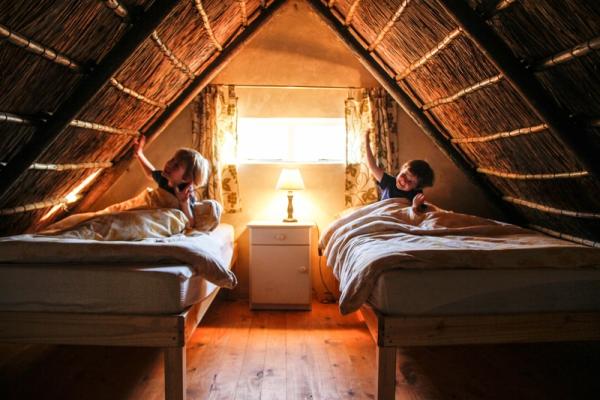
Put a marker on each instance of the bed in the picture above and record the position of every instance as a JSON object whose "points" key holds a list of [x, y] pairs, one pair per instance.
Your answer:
{"points": [[151, 292], [441, 278]]}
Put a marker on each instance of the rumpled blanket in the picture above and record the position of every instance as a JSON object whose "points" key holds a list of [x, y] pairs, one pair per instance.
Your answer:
{"points": [[389, 234], [207, 215], [129, 232]]}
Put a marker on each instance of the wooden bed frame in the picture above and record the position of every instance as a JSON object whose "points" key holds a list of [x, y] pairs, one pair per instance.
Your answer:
{"points": [[393, 331], [170, 332]]}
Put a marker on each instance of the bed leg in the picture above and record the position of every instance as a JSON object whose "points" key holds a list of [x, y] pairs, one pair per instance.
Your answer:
{"points": [[175, 382], [386, 373]]}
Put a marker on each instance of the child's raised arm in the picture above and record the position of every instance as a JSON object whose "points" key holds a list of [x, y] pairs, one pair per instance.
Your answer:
{"points": [[138, 148], [376, 171]]}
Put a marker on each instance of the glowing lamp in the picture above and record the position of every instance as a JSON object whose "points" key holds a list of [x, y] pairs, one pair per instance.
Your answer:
{"points": [[290, 180]]}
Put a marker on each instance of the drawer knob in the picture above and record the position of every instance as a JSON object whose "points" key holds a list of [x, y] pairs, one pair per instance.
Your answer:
{"points": [[280, 236], [302, 269]]}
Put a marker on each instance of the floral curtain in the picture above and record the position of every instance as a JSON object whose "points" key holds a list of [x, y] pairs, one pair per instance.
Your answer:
{"points": [[368, 109], [214, 134]]}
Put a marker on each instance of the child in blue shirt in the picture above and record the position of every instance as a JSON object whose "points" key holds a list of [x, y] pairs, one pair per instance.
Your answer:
{"points": [[409, 183], [185, 169]]}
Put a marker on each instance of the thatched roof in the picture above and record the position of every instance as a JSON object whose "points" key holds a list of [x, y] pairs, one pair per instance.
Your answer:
{"points": [[509, 90]]}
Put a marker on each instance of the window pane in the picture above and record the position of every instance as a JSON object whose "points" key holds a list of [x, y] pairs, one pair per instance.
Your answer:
{"points": [[291, 139]]}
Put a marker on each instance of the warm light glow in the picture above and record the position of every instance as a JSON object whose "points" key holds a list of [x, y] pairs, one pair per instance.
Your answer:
{"points": [[290, 179], [71, 197], [291, 139]]}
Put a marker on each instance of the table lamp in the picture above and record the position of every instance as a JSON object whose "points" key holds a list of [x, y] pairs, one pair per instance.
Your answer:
{"points": [[290, 180]]}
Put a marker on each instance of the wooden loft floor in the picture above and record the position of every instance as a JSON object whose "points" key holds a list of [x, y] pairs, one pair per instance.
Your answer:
{"points": [[239, 354]]}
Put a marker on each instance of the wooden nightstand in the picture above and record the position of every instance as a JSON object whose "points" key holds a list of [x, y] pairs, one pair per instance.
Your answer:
{"points": [[280, 254]]}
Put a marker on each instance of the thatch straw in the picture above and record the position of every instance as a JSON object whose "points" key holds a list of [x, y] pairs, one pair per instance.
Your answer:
{"points": [[564, 56], [351, 12], [463, 92], [104, 128], [495, 108], [13, 137], [565, 236], [552, 210], [38, 49], [449, 72], [389, 25], [190, 39], [511, 175], [330, 3], [84, 30], [180, 65], [117, 8], [135, 94], [207, 26], [580, 194], [39, 205], [500, 135], [430, 54], [17, 119], [535, 29], [64, 167], [527, 153]]}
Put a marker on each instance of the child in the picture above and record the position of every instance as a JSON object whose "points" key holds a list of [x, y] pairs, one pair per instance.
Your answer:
{"points": [[184, 170], [409, 183]]}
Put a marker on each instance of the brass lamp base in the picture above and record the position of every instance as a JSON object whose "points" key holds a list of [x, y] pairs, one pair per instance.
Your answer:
{"points": [[290, 209]]}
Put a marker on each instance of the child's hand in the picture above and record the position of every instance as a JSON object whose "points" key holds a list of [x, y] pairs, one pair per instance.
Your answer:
{"points": [[138, 145], [418, 201], [183, 195]]}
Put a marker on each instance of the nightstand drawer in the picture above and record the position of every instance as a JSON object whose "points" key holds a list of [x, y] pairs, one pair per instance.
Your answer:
{"points": [[280, 236]]}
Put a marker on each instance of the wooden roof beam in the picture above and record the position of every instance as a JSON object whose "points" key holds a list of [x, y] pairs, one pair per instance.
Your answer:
{"points": [[38, 49], [140, 30], [118, 8], [207, 26], [525, 83], [27, 120], [580, 50], [417, 115]]}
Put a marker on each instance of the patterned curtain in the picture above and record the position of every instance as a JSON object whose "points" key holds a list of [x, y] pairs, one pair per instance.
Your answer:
{"points": [[385, 130], [368, 109], [214, 134]]}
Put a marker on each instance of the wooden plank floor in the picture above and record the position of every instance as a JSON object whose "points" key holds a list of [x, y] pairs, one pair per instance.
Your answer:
{"points": [[242, 354]]}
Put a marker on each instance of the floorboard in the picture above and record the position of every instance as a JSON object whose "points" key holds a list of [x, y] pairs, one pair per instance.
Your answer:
{"points": [[296, 355]]}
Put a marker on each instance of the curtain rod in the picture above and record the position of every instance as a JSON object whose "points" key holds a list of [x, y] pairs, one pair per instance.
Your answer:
{"points": [[293, 87]]}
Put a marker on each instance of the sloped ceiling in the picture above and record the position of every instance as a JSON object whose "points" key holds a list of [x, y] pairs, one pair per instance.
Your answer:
{"points": [[509, 90]]}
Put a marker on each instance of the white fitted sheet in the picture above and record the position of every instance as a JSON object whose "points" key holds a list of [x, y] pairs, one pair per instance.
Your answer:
{"points": [[471, 291], [108, 288]]}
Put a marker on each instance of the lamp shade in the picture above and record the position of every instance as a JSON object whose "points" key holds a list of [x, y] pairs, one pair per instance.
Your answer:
{"points": [[290, 179]]}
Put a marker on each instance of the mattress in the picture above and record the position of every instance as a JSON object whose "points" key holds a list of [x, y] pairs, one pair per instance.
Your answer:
{"points": [[108, 288], [470, 291]]}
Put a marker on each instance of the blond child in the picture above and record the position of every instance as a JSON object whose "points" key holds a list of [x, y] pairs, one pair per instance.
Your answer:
{"points": [[185, 170]]}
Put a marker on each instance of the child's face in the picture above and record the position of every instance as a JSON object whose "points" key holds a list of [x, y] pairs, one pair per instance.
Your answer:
{"points": [[405, 180], [174, 171]]}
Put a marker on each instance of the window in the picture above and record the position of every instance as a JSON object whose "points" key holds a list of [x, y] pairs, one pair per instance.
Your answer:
{"points": [[297, 140]]}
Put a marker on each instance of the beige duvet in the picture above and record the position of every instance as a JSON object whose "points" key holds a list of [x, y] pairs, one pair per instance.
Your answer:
{"points": [[389, 234], [134, 231]]}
